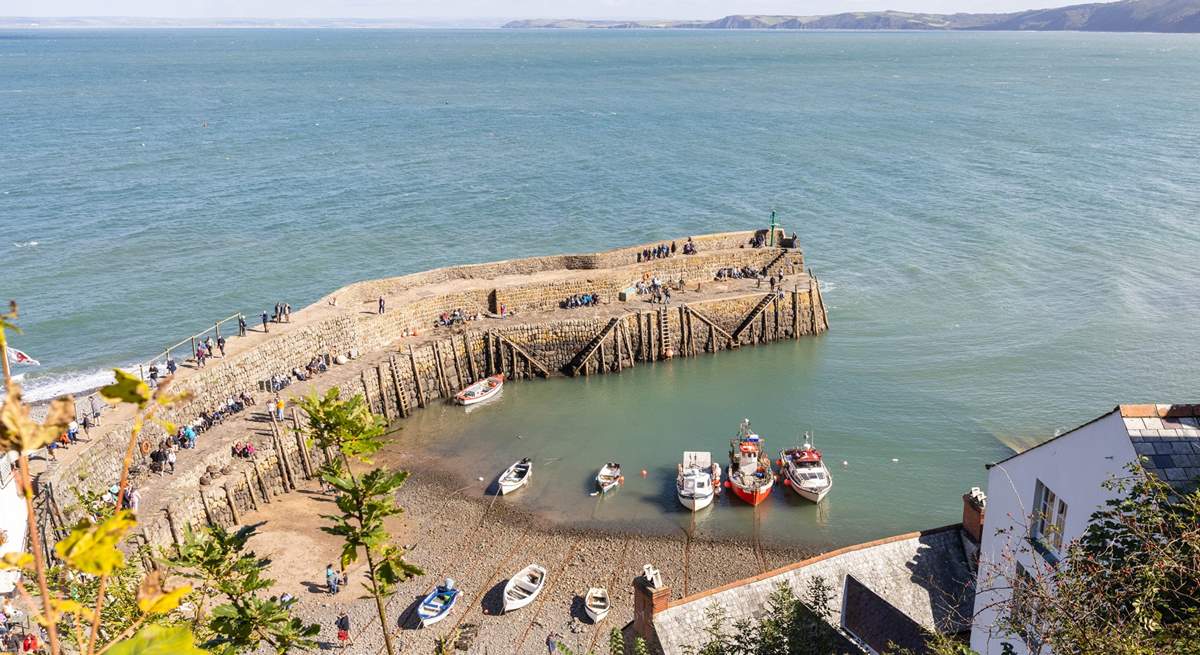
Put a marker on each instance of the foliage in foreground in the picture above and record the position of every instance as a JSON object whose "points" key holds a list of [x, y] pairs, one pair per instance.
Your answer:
{"points": [[790, 626], [217, 561], [365, 500]]}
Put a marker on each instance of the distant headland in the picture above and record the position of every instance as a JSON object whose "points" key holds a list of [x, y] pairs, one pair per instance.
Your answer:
{"points": [[1178, 16]]}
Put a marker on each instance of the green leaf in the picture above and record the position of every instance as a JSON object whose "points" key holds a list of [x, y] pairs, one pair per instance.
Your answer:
{"points": [[157, 640], [127, 389], [92, 547], [153, 599]]}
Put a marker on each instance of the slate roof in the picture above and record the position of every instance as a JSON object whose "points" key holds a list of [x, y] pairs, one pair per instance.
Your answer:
{"points": [[1167, 437], [878, 623], [924, 575]]}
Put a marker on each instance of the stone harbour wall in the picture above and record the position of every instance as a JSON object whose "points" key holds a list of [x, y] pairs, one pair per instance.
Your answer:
{"points": [[406, 364]]}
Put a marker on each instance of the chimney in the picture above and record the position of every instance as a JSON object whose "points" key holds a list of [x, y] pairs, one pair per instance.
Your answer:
{"points": [[650, 596], [974, 505]]}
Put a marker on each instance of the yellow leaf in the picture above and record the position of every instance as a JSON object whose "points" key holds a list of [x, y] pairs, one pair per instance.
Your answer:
{"points": [[18, 430], [158, 640], [17, 561], [153, 599], [67, 606], [92, 548], [127, 389]]}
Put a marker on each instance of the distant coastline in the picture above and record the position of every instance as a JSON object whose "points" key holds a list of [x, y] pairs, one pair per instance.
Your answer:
{"points": [[1167, 16]]}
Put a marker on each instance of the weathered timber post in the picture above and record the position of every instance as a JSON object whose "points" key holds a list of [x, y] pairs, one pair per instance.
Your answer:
{"points": [[412, 359], [383, 403], [208, 515], [795, 313], [362, 376], [262, 485], [470, 359], [600, 365], [653, 351], [250, 490], [233, 511], [711, 346], [775, 307], [172, 528], [302, 443], [617, 347], [641, 339], [628, 346], [457, 368], [281, 459]]}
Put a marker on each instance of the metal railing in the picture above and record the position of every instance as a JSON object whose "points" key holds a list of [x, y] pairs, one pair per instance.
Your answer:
{"points": [[193, 341]]}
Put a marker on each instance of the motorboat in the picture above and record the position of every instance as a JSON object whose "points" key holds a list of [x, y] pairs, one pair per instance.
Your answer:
{"points": [[750, 474], [438, 604], [609, 477], [805, 472], [697, 480]]}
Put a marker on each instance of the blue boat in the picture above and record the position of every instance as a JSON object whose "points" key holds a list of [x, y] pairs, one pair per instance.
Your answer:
{"points": [[438, 604]]}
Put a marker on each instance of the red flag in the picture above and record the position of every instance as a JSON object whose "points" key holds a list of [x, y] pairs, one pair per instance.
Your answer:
{"points": [[18, 357]]}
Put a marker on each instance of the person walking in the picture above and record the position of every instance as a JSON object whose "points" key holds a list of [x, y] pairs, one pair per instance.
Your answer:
{"points": [[210, 345], [279, 404], [171, 366], [331, 579], [264, 321], [241, 325], [221, 346], [381, 305], [343, 629], [287, 311]]}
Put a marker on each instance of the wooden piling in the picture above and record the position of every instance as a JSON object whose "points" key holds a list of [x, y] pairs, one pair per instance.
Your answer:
{"points": [[383, 397], [641, 339], [470, 359], [795, 313], [628, 347], [208, 515], [457, 368], [250, 490], [172, 527], [262, 485], [362, 376], [412, 359], [401, 392], [233, 511]]}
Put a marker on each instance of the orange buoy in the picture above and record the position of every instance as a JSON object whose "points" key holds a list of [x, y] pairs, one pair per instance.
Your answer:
{"points": [[787, 482], [779, 463], [621, 480], [644, 473], [727, 484]]}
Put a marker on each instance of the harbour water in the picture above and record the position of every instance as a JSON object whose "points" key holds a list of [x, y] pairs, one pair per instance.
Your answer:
{"points": [[1005, 224]]}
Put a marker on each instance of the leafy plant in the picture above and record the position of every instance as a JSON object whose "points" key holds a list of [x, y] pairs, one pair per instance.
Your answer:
{"points": [[365, 500], [90, 553], [616, 645], [217, 561], [790, 625]]}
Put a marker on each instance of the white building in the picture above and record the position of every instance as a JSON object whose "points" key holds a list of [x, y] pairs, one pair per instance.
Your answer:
{"points": [[1042, 499], [12, 520]]}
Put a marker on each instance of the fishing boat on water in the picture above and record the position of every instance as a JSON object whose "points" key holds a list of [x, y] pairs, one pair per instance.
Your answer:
{"points": [[480, 391], [596, 604], [515, 476], [609, 477], [750, 474], [698, 480], [524, 587], [438, 604], [805, 472]]}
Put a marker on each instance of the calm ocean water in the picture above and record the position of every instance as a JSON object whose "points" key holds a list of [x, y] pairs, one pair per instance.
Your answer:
{"points": [[1007, 225]]}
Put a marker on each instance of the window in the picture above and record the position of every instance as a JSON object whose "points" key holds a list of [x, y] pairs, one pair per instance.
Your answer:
{"points": [[1023, 611], [1049, 519]]}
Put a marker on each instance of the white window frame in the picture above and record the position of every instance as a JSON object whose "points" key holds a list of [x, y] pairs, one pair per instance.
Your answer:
{"points": [[1049, 518]]}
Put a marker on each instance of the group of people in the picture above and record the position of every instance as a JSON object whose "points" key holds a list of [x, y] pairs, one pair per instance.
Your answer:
{"points": [[745, 272], [317, 365], [661, 251], [243, 450], [455, 317], [283, 313], [656, 289], [15, 634], [581, 300], [68, 437]]}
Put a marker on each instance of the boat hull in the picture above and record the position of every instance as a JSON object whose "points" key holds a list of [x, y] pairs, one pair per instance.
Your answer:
{"points": [[810, 494], [428, 617], [465, 400], [694, 503], [752, 496]]}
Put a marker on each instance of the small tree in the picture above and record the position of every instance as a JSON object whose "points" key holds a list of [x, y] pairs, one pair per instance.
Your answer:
{"points": [[616, 645], [217, 561], [366, 500]]}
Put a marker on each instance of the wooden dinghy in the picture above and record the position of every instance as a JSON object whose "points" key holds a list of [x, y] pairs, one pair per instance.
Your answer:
{"points": [[596, 604], [609, 477], [438, 604], [482, 390], [524, 587], [515, 476]]}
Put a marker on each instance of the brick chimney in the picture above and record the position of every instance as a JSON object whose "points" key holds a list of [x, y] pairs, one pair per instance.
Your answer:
{"points": [[974, 506], [650, 596]]}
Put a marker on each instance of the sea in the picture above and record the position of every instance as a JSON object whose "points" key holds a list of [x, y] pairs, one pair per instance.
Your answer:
{"points": [[1006, 227]]}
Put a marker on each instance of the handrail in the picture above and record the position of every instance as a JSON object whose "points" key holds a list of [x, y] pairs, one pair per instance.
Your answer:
{"points": [[192, 340]]}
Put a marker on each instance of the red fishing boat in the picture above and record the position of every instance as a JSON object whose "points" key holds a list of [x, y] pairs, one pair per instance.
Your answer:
{"points": [[750, 474]]}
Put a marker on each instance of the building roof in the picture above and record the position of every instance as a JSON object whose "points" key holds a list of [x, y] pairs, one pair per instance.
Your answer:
{"points": [[924, 575], [878, 623], [1167, 438]]}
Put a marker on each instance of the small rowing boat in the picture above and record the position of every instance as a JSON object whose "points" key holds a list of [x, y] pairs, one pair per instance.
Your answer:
{"points": [[524, 587], [609, 477], [805, 472], [480, 391], [698, 480], [515, 476], [438, 604], [596, 604]]}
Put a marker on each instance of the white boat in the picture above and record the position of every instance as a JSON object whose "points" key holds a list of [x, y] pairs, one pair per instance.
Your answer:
{"points": [[698, 480], [515, 476], [438, 604], [609, 477], [805, 472], [596, 604], [480, 391], [524, 587]]}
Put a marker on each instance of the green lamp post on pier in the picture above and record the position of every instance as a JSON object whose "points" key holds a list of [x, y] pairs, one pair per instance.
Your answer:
{"points": [[773, 226]]}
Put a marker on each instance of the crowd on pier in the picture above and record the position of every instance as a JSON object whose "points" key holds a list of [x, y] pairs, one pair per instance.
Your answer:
{"points": [[664, 250], [580, 300]]}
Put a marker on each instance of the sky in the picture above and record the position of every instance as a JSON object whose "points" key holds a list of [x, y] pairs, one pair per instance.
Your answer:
{"points": [[481, 9]]}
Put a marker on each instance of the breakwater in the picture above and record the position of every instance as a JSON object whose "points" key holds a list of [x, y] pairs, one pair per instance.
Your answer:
{"points": [[403, 362]]}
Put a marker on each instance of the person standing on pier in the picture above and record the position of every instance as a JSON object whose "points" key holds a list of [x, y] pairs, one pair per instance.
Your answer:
{"points": [[221, 346], [331, 579], [264, 321], [171, 366], [381, 305], [241, 325]]}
